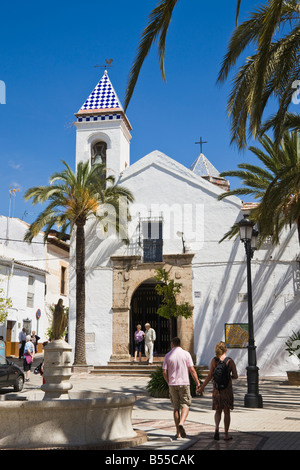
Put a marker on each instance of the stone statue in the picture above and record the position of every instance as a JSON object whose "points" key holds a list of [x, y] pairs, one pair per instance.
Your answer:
{"points": [[60, 320]]}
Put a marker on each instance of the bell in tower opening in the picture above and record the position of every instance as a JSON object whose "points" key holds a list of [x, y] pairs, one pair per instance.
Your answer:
{"points": [[98, 156]]}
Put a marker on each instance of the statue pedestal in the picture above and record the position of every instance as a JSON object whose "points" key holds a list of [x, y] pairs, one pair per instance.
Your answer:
{"points": [[57, 370]]}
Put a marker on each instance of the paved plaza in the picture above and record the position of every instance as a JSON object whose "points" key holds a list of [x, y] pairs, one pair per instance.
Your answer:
{"points": [[274, 427]]}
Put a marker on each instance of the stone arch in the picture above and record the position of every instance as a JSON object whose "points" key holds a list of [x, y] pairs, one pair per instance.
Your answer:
{"points": [[143, 309], [145, 278], [99, 137], [129, 272]]}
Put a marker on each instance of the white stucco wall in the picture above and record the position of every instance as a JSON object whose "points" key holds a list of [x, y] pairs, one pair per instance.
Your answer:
{"points": [[12, 232], [98, 321], [117, 138], [57, 258], [275, 307], [219, 271], [18, 294], [18, 261]]}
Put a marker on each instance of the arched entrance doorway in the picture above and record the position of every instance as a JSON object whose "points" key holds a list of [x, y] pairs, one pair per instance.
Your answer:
{"points": [[144, 304]]}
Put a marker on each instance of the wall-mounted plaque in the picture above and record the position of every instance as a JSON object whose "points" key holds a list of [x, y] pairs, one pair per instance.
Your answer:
{"points": [[236, 335]]}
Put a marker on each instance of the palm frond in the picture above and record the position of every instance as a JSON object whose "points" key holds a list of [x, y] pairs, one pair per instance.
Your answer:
{"points": [[75, 197], [232, 233], [274, 31], [238, 5], [276, 187], [243, 35], [158, 24]]}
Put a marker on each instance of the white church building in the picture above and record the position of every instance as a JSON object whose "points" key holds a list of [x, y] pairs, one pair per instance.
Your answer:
{"points": [[177, 223]]}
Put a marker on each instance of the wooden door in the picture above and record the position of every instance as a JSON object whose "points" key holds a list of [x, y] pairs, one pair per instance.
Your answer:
{"points": [[9, 327]]}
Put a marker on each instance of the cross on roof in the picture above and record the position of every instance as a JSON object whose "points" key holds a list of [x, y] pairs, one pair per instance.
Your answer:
{"points": [[201, 142]]}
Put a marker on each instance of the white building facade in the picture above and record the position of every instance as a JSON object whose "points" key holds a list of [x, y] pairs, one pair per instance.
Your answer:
{"points": [[177, 223], [57, 266], [23, 280], [31, 276]]}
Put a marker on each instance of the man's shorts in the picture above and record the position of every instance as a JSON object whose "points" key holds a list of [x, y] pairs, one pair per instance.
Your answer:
{"points": [[180, 396]]}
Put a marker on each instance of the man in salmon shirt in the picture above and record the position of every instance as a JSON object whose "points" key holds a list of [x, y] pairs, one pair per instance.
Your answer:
{"points": [[177, 365]]}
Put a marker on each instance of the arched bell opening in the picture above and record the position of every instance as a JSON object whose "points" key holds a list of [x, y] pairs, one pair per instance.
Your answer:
{"points": [[98, 153]]}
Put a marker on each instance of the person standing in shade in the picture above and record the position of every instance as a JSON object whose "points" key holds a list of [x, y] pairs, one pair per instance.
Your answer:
{"points": [[34, 339], [177, 366], [22, 341], [2, 347], [150, 337], [138, 342], [43, 363], [28, 357], [222, 395]]}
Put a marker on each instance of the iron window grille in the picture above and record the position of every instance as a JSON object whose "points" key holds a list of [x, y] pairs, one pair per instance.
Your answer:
{"points": [[151, 232]]}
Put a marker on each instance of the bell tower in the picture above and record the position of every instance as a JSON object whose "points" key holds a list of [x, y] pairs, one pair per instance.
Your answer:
{"points": [[103, 130]]}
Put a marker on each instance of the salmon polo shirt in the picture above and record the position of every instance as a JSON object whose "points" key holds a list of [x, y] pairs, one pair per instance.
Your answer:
{"points": [[177, 363]]}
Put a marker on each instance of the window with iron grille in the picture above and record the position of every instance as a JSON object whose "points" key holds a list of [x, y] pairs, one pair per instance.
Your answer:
{"points": [[152, 240]]}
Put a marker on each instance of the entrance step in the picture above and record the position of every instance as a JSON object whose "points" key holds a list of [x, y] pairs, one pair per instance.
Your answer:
{"points": [[130, 368]]}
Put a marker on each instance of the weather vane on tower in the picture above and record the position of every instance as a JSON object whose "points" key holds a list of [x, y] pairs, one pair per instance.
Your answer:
{"points": [[107, 65]]}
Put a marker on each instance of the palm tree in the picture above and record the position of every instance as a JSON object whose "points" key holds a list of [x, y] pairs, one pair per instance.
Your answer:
{"points": [[73, 199], [275, 185], [274, 31], [158, 24]]}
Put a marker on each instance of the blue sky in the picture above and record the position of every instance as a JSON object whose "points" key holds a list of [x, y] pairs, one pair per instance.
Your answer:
{"points": [[48, 52]]}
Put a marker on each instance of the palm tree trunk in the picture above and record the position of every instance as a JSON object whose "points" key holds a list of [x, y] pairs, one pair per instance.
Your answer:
{"points": [[298, 228], [80, 357]]}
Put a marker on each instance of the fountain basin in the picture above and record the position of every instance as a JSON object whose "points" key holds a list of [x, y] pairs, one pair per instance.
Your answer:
{"points": [[86, 419]]}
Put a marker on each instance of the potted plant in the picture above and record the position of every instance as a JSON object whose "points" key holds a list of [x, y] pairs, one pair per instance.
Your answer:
{"points": [[158, 387], [293, 348], [168, 290]]}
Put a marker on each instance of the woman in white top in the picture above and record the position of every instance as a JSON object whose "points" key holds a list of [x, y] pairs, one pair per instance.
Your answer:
{"points": [[28, 357]]}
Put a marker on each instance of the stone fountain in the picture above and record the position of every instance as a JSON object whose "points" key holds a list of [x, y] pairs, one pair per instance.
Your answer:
{"points": [[66, 419]]}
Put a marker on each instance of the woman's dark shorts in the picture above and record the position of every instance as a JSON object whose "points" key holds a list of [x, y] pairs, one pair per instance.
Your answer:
{"points": [[138, 346]]}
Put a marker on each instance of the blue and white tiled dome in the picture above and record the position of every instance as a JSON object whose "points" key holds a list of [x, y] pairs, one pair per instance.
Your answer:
{"points": [[102, 97]]}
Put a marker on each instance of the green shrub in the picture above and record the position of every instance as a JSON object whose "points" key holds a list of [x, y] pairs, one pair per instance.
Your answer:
{"points": [[158, 387]]}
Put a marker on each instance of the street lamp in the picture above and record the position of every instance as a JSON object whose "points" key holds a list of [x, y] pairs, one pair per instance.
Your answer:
{"points": [[181, 235], [249, 237]]}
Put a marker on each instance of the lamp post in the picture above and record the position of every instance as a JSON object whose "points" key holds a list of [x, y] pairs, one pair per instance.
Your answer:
{"points": [[249, 237], [181, 235]]}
